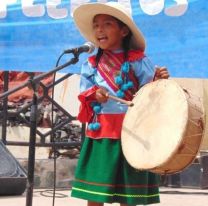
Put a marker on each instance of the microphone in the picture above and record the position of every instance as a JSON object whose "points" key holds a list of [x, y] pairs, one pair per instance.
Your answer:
{"points": [[86, 47]]}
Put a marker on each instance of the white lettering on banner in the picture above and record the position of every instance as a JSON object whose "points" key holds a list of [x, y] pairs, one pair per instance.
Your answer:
{"points": [[32, 9], [53, 11], [102, 1], [127, 4], [3, 7], [76, 3], [152, 7], [178, 9]]}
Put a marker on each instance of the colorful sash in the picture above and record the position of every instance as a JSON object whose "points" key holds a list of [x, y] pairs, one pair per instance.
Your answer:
{"points": [[109, 66]]}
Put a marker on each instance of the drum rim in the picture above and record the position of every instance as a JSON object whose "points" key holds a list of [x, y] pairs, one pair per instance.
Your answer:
{"points": [[184, 130]]}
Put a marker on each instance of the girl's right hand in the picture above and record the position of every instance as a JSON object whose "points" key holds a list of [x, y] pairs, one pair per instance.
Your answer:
{"points": [[101, 95]]}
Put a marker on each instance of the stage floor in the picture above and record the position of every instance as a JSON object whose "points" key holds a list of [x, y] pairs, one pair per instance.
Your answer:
{"points": [[169, 196]]}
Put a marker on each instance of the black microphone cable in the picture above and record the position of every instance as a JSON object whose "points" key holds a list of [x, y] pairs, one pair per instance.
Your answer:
{"points": [[54, 152], [53, 140], [89, 48]]}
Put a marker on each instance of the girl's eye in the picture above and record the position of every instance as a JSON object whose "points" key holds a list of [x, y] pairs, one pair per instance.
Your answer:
{"points": [[108, 23], [105, 24], [95, 26]]}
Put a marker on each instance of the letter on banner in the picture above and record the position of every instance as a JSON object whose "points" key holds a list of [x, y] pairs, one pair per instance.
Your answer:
{"points": [[54, 12], [31, 10], [127, 4], [3, 7], [102, 1], [178, 9], [152, 7], [76, 3]]}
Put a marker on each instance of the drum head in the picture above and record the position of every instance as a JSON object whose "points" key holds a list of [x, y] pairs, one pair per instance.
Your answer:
{"points": [[153, 128]]}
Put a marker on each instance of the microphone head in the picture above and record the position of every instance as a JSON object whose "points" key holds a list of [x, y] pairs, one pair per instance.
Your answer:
{"points": [[91, 47]]}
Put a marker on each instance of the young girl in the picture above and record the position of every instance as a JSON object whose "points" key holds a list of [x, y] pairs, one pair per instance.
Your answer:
{"points": [[120, 68]]}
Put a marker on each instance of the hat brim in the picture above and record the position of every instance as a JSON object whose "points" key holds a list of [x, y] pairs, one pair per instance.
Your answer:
{"points": [[84, 14]]}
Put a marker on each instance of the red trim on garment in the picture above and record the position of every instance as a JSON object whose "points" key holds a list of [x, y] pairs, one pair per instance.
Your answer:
{"points": [[117, 185], [133, 55], [111, 125]]}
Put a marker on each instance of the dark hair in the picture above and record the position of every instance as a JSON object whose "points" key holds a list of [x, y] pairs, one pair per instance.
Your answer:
{"points": [[125, 44]]}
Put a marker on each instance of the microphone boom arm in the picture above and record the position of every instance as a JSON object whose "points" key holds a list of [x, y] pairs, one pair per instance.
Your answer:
{"points": [[38, 78]]}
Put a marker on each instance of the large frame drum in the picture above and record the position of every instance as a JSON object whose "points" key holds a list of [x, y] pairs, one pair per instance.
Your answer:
{"points": [[163, 131]]}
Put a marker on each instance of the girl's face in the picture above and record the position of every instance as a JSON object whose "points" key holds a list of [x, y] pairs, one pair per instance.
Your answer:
{"points": [[109, 34]]}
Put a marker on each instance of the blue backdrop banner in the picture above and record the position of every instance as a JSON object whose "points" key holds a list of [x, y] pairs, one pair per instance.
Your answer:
{"points": [[33, 33]]}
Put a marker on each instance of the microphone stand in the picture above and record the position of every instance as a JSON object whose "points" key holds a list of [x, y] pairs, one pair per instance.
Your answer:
{"points": [[33, 83], [31, 155], [33, 127]]}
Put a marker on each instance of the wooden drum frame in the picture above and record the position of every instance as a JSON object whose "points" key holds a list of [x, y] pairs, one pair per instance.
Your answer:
{"points": [[163, 131]]}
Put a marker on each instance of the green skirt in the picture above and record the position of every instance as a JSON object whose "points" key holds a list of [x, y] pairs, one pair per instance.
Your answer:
{"points": [[103, 175]]}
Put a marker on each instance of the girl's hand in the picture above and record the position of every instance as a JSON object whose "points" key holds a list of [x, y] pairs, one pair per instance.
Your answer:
{"points": [[161, 73], [101, 95]]}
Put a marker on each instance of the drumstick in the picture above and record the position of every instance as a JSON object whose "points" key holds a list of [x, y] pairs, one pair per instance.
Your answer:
{"points": [[128, 103]]}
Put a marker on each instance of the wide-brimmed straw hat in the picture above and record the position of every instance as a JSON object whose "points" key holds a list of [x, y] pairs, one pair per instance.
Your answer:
{"points": [[84, 14]]}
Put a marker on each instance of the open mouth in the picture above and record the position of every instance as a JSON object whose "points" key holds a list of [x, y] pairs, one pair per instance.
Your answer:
{"points": [[101, 39]]}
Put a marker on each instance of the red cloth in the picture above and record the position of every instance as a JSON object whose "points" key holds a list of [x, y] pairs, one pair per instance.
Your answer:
{"points": [[86, 98], [111, 125]]}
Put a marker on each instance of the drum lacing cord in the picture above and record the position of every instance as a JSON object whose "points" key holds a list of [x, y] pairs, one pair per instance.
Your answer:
{"points": [[193, 135], [192, 95], [197, 98], [196, 108], [188, 146], [197, 122]]}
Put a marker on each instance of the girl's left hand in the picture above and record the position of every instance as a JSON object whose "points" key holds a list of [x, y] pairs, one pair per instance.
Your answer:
{"points": [[161, 73], [101, 95]]}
